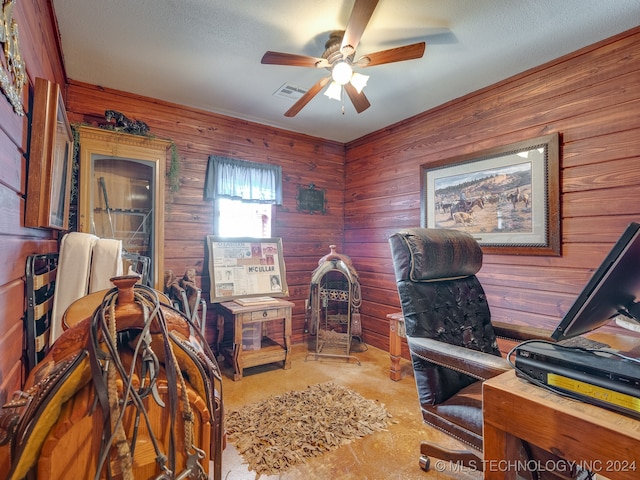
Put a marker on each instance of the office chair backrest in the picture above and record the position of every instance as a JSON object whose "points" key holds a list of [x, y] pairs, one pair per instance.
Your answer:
{"points": [[442, 299]]}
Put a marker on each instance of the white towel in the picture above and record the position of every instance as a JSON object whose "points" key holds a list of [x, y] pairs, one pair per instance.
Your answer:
{"points": [[72, 280], [106, 262]]}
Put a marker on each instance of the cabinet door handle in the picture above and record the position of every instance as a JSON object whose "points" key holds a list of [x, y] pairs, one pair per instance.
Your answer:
{"points": [[264, 314]]}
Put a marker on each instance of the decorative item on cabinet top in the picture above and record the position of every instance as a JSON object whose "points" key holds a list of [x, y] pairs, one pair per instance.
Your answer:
{"points": [[119, 122]]}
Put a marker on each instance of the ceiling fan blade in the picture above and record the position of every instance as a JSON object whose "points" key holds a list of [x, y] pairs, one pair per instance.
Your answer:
{"points": [[360, 16], [359, 100], [306, 98], [293, 60], [398, 54]]}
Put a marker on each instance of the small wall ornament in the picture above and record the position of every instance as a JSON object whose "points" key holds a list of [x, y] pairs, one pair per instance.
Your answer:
{"points": [[12, 72], [311, 199]]}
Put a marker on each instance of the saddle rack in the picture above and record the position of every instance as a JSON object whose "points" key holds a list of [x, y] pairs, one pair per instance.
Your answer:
{"points": [[333, 315]]}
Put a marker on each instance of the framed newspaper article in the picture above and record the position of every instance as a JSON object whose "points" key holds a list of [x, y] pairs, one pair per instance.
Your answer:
{"points": [[246, 267]]}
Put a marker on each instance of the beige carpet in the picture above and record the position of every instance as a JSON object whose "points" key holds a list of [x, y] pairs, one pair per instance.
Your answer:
{"points": [[283, 430]]}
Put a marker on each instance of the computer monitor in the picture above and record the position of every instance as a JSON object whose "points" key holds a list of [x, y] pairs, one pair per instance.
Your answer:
{"points": [[612, 290]]}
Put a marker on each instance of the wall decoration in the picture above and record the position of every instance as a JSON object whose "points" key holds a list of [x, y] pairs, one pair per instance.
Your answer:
{"points": [[119, 122], [13, 74], [507, 197], [50, 160], [311, 199], [246, 267]]}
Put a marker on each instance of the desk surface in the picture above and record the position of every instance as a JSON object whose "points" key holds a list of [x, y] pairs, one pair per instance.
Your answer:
{"points": [[604, 440]]}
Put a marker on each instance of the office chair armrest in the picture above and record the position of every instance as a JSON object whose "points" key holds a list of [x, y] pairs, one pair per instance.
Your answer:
{"points": [[520, 332], [477, 364]]}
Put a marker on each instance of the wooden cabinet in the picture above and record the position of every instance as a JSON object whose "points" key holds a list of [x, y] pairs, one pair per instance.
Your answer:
{"points": [[121, 192]]}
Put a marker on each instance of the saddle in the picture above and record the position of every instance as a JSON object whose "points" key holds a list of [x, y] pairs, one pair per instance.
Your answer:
{"points": [[131, 392]]}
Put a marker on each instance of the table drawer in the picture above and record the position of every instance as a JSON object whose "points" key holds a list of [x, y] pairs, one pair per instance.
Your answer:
{"points": [[267, 314]]}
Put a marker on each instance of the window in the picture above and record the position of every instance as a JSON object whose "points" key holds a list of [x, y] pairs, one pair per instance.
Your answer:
{"points": [[244, 193], [241, 219]]}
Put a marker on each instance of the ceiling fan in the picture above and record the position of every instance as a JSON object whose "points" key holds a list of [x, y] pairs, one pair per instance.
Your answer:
{"points": [[338, 58]]}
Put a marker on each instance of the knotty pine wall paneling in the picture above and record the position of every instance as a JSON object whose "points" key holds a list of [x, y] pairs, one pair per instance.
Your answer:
{"points": [[189, 218], [591, 98], [39, 49]]}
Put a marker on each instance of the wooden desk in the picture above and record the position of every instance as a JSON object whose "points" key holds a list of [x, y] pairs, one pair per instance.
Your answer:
{"points": [[396, 334], [270, 351], [602, 441]]}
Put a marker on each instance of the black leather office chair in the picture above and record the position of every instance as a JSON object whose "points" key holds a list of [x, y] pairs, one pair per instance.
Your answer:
{"points": [[451, 338]]}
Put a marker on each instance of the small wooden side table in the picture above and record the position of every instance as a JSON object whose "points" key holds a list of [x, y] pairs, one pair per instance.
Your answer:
{"points": [[396, 334], [270, 350]]}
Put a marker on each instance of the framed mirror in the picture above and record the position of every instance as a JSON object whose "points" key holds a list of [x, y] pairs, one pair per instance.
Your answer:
{"points": [[121, 192], [50, 159]]}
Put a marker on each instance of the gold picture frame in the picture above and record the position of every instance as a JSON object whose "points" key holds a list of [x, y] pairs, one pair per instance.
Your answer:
{"points": [[50, 160]]}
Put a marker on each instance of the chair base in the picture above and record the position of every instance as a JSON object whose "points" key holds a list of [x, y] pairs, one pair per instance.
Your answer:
{"points": [[473, 460], [469, 458]]}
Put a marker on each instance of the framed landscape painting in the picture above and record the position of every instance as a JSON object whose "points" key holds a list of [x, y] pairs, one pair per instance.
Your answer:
{"points": [[506, 197]]}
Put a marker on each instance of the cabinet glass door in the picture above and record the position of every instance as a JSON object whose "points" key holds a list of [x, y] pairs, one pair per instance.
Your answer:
{"points": [[123, 202], [122, 192]]}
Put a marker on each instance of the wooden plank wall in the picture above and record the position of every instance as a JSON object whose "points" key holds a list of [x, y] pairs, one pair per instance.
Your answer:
{"points": [[39, 49], [189, 218], [591, 98], [588, 97]]}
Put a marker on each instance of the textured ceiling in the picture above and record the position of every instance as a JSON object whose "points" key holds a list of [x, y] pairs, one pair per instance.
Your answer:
{"points": [[206, 53]]}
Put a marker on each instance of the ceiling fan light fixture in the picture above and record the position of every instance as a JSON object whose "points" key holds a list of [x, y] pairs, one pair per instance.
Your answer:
{"points": [[334, 91], [338, 59], [359, 81], [341, 73]]}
